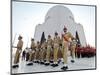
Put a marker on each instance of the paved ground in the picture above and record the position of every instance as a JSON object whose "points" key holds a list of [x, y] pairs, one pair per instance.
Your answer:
{"points": [[81, 63]]}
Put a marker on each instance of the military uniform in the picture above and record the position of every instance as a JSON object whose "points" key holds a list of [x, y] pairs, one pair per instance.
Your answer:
{"points": [[17, 54], [37, 55], [49, 45], [56, 47], [66, 40], [32, 50], [43, 52]]}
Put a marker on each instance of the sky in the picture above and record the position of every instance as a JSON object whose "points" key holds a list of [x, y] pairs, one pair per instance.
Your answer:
{"points": [[25, 16]]}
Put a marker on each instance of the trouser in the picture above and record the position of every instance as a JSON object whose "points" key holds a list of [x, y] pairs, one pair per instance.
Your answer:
{"points": [[31, 56], [23, 55], [36, 57], [27, 56], [55, 53], [73, 51], [17, 56], [43, 54], [60, 53], [48, 54], [65, 54]]}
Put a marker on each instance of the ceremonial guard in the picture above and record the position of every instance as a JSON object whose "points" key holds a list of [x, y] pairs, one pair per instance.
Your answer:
{"points": [[18, 52], [37, 54], [56, 47], [32, 52], [43, 52], [66, 40], [49, 45]]}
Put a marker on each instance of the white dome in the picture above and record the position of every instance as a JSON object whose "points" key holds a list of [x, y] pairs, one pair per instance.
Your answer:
{"points": [[57, 11]]}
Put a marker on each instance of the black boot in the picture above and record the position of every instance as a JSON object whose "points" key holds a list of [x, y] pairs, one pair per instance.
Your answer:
{"points": [[47, 64], [29, 64], [35, 61], [41, 62], [64, 68], [72, 61], [38, 62], [15, 66], [59, 61], [54, 65]]}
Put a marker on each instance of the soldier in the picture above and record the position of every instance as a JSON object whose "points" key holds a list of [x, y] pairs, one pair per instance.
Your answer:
{"points": [[73, 49], [32, 51], [37, 55], [66, 40], [43, 51], [18, 52], [49, 45], [56, 47]]}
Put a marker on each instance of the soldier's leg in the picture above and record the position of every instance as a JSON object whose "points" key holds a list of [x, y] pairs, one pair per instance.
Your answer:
{"points": [[59, 55], [38, 56], [42, 57], [73, 54], [35, 56], [51, 56], [48, 56], [55, 57], [16, 59], [30, 57], [65, 58]]}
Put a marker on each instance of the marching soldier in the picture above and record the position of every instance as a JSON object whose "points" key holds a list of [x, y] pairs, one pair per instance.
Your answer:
{"points": [[56, 47], [73, 49], [18, 52], [37, 54], [32, 51], [66, 40], [49, 45], [43, 51]]}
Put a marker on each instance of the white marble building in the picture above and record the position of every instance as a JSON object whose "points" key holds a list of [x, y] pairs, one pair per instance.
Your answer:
{"points": [[56, 18]]}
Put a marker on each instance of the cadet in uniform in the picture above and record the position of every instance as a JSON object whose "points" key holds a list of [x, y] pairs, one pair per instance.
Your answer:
{"points": [[32, 52], [56, 47], [37, 55], [66, 40], [18, 52], [49, 45], [43, 51]]}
